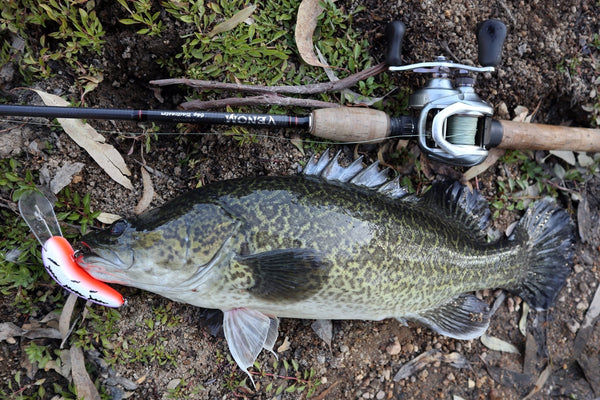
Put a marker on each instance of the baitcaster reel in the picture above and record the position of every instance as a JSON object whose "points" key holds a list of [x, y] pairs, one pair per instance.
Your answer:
{"points": [[453, 124]]}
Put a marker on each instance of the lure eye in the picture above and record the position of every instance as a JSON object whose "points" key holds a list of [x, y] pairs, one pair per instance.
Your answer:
{"points": [[118, 228]]}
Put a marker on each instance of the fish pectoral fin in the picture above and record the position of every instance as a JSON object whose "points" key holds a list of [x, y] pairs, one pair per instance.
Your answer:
{"points": [[247, 332], [285, 274], [465, 317]]}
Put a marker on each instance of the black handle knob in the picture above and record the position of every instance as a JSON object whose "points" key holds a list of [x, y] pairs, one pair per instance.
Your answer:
{"points": [[490, 39], [394, 32]]}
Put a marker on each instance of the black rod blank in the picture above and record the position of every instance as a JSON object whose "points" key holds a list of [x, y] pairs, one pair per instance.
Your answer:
{"points": [[176, 116]]}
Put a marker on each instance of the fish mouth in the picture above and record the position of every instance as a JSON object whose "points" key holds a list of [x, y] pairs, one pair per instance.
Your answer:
{"points": [[105, 264]]}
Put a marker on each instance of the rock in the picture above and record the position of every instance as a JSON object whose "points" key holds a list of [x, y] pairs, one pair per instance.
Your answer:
{"points": [[394, 348], [172, 385]]}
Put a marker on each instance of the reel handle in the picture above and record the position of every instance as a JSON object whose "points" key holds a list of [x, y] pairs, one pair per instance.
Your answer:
{"points": [[490, 39], [394, 33]]}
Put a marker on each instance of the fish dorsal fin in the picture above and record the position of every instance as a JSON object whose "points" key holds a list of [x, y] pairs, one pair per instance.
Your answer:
{"points": [[371, 177], [465, 317], [467, 209], [247, 332]]}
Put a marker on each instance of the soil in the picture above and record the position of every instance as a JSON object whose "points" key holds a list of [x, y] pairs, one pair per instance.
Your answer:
{"points": [[364, 356]]}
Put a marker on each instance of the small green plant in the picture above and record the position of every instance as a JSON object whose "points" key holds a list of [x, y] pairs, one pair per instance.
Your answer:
{"points": [[190, 12], [569, 65], [19, 249], [77, 209], [187, 388], [59, 31], [100, 327], [142, 14], [39, 355], [80, 28], [293, 380], [20, 391]]}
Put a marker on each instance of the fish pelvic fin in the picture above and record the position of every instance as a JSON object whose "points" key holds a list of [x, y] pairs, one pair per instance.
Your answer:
{"points": [[247, 332], [547, 235], [465, 317]]}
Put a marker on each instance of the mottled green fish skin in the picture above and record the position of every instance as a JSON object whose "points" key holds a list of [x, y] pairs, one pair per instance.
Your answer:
{"points": [[353, 253]]}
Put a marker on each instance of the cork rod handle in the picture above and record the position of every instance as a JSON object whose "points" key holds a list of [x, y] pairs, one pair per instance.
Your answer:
{"points": [[519, 135], [350, 124]]}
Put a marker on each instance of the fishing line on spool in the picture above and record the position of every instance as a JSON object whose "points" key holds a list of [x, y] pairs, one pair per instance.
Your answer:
{"points": [[463, 128]]}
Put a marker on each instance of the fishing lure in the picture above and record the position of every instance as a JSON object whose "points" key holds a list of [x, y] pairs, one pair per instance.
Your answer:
{"points": [[59, 257]]}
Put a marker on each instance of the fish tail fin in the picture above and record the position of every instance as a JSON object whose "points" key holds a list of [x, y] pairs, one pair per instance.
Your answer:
{"points": [[547, 234]]}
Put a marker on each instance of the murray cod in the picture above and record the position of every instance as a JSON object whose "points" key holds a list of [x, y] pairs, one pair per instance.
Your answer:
{"points": [[333, 243]]}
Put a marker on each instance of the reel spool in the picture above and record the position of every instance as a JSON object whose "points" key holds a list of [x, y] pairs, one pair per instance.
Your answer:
{"points": [[454, 124]]}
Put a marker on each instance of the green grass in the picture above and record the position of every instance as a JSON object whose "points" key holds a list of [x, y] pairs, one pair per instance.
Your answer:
{"points": [[50, 31]]}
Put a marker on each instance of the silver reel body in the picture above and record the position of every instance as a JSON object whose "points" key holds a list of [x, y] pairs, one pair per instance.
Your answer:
{"points": [[453, 121]]}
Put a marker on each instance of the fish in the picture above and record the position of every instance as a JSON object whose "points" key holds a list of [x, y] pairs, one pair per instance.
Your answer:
{"points": [[334, 243]]}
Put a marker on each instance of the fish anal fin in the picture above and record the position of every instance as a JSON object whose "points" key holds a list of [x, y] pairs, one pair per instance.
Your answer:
{"points": [[247, 332], [465, 317], [285, 274]]}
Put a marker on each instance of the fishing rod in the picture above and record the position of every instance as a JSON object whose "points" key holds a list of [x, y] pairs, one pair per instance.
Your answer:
{"points": [[450, 121]]}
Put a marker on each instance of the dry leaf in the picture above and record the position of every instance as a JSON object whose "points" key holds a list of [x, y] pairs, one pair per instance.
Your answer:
{"points": [[297, 141], [417, 364], [108, 218], [64, 323], [147, 195], [565, 155], [306, 22], [83, 384], [493, 155], [64, 176], [87, 137], [232, 22], [65, 363], [456, 360], [285, 345], [584, 160], [587, 326], [540, 382], [90, 83], [493, 343], [523, 320], [9, 330], [521, 114]]}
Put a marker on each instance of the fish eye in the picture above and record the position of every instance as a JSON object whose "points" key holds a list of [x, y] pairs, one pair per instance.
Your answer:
{"points": [[118, 227]]}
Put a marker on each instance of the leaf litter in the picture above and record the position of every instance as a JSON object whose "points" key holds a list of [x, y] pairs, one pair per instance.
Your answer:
{"points": [[107, 157]]}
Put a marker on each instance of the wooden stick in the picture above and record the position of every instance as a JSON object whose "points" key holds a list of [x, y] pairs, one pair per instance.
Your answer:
{"points": [[265, 99], [520, 135], [314, 88]]}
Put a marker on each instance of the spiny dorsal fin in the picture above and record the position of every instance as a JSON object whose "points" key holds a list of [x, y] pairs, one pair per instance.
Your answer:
{"points": [[370, 177]]}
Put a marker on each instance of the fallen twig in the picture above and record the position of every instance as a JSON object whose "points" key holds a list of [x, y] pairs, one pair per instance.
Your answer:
{"points": [[314, 88], [268, 99]]}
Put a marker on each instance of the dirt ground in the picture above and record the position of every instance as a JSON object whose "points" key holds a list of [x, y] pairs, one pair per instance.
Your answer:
{"points": [[364, 356]]}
